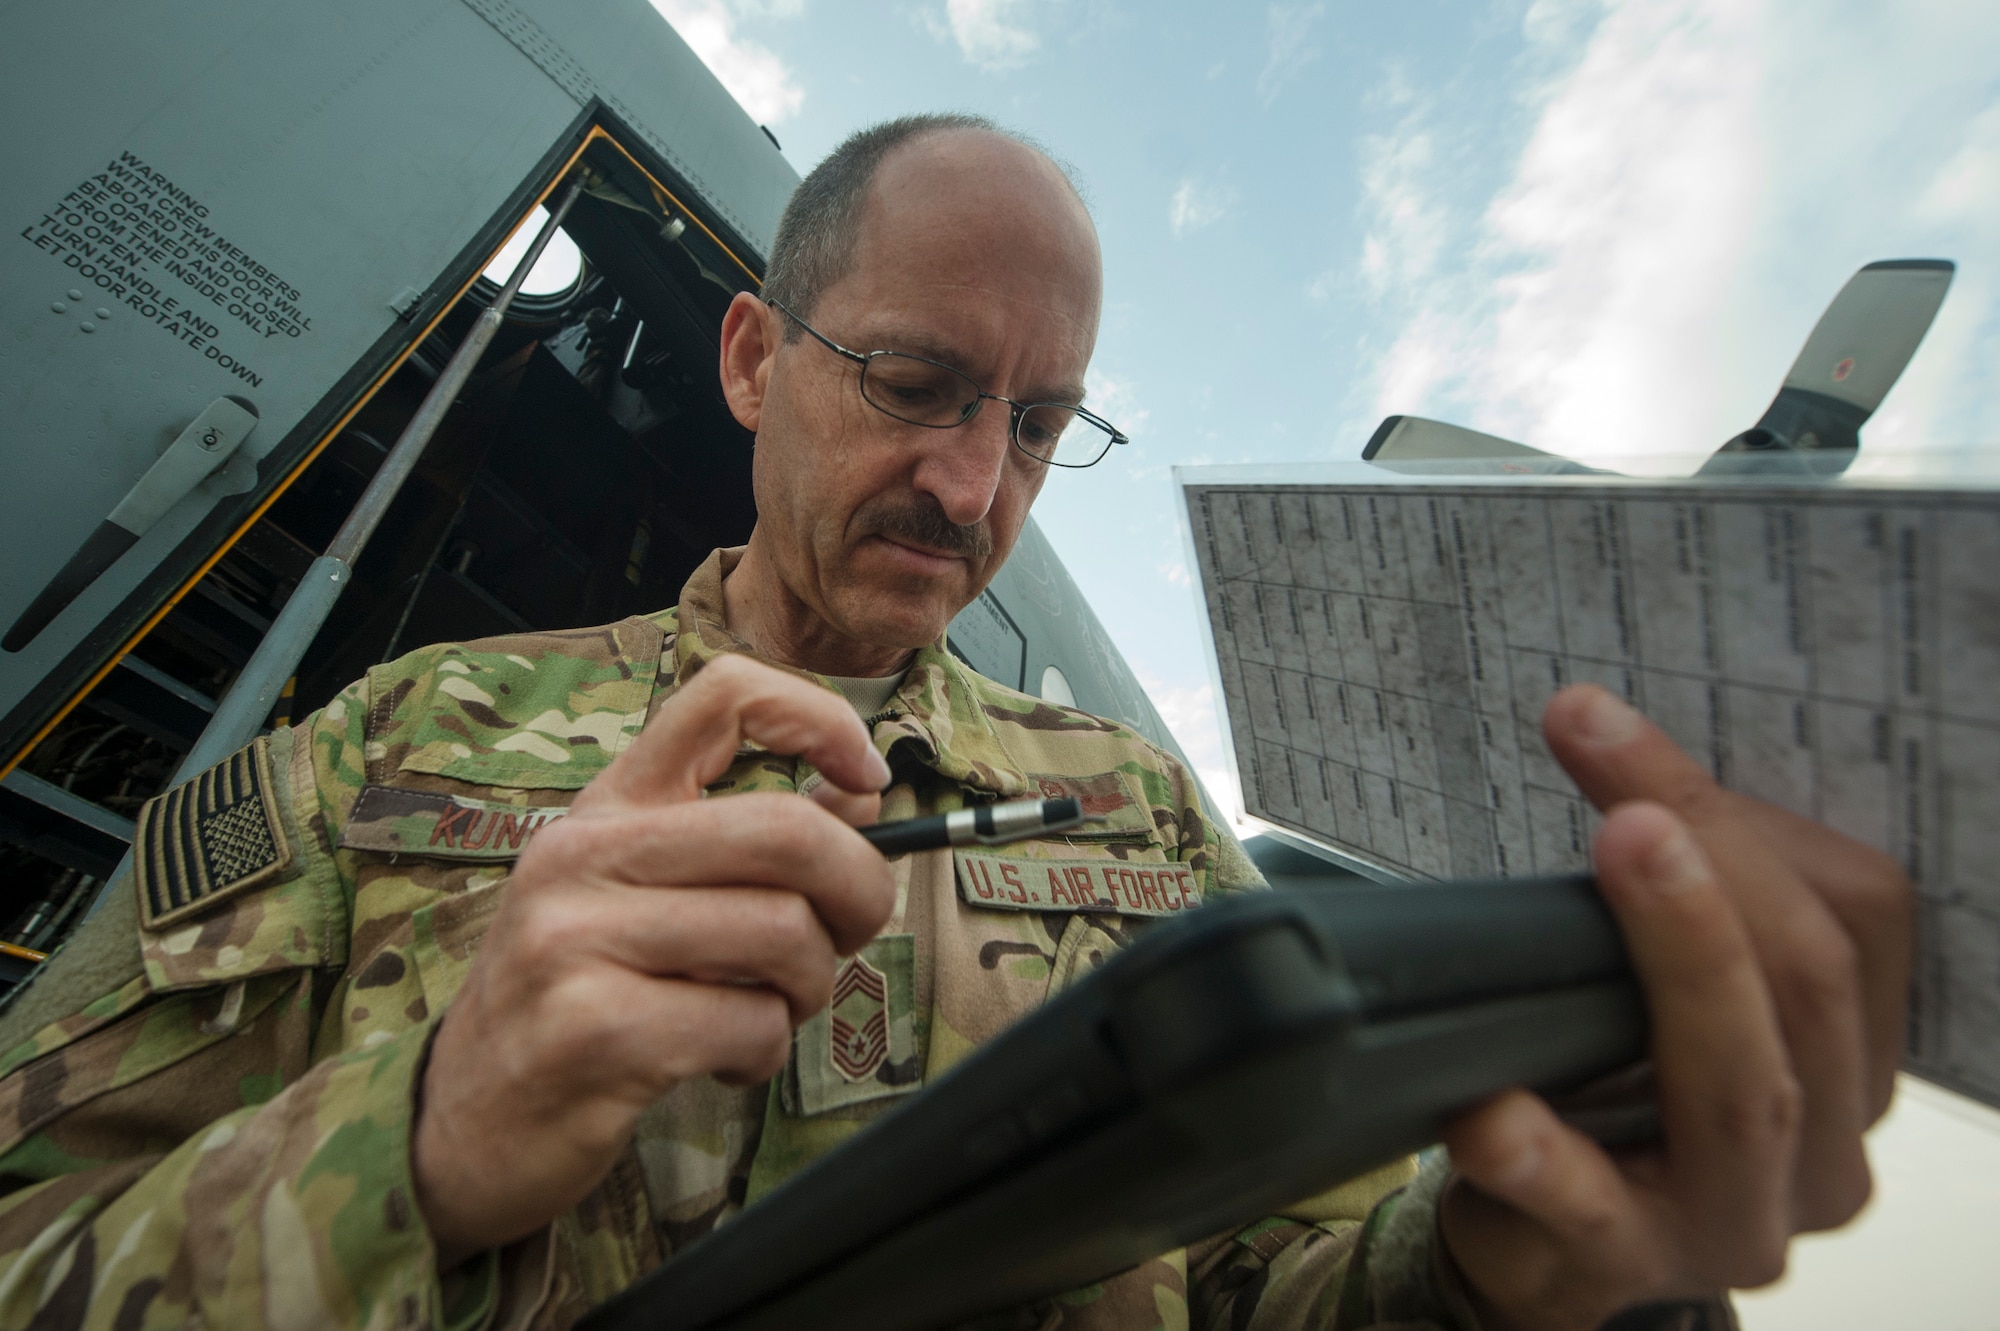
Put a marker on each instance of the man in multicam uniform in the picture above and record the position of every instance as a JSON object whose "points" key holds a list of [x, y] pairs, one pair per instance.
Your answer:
{"points": [[523, 963]]}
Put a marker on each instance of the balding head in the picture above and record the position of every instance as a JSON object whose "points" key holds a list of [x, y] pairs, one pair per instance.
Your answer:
{"points": [[821, 225]]}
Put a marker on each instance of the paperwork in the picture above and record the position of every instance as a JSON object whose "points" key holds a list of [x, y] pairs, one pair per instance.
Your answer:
{"points": [[1385, 644]]}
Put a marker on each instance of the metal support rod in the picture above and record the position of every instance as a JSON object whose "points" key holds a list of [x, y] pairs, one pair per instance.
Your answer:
{"points": [[240, 714], [242, 711], [402, 459]]}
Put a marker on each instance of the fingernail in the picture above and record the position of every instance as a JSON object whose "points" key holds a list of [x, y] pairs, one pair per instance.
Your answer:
{"points": [[1676, 865], [1521, 1170], [1608, 720], [878, 767]]}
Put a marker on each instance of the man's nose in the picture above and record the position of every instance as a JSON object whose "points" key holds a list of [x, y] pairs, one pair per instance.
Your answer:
{"points": [[961, 467]]}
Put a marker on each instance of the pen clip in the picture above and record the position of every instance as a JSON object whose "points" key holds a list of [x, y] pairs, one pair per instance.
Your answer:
{"points": [[1045, 829]]}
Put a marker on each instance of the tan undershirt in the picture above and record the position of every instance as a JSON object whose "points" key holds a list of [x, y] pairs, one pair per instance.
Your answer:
{"points": [[868, 695]]}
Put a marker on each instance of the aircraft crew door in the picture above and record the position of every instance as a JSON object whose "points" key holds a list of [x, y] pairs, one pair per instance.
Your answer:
{"points": [[586, 468]]}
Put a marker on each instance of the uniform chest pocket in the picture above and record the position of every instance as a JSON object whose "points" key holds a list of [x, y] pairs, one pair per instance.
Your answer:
{"points": [[865, 1044]]}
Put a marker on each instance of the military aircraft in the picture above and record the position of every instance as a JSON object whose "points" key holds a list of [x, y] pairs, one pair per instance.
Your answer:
{"points": [[1851, 359], [247, 244]]}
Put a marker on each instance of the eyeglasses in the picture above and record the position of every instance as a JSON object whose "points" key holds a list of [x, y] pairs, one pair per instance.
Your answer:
{"points": [[921, 391]]}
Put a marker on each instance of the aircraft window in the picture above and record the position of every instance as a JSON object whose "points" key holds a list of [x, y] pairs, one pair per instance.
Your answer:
{"points": [[560, 268], [1055, 688]]}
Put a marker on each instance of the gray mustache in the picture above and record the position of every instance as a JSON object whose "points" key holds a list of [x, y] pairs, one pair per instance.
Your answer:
{"points": [[925, 524]]}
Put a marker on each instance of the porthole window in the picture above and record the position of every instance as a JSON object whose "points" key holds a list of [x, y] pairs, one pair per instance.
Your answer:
{"points": [[556, 276]]}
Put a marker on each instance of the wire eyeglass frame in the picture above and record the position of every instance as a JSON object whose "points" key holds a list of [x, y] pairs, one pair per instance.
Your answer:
{"points": [[1017, 410]]}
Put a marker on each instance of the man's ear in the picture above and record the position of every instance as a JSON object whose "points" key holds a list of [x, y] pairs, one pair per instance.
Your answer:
{"points": [[750, 340]]}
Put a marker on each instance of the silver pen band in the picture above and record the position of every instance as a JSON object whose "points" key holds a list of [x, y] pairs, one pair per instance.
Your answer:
{"points": [[1001, 822], [1017, 817], [961, 827]]}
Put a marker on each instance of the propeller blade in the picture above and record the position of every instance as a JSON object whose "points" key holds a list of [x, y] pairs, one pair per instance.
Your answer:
{"points": [[1417, 444], [1853, 357]]}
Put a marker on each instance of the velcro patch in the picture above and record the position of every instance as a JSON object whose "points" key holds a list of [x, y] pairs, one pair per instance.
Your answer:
{"points": [[417, 822], [858, 1029], [1107, 796], [211, 837], [863, 1045], [1107, 886]]}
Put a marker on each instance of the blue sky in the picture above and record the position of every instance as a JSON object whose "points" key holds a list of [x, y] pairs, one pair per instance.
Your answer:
{"points": [[1595, 227]]}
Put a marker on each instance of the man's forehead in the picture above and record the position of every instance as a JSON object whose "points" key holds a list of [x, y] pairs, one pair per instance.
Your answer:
{"points": [[967, 240]]}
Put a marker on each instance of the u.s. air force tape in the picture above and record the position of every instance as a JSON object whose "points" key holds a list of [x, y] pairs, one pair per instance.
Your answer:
{"points": [[211, 837], [1108, 886], [452, 827]]}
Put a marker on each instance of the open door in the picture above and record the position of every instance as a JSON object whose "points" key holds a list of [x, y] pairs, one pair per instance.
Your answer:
{"points": [[585, 471]]}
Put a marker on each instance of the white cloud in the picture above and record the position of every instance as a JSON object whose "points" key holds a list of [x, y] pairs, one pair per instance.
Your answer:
{"points": [[1553, 22], [1116, 399], [1940, 403], [1195, 206], [1289, 28], [1693, 181], [1431, 352], [1968, 186], [755, 75], [1407, 225], [988, 32], [1627, 218]]}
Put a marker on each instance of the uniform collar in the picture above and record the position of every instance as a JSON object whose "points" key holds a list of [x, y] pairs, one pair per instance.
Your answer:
{"points": [[935, 717]]}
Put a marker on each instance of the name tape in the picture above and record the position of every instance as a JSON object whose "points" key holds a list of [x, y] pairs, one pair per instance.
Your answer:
{"points": [[412, 822], [1108, 886]]}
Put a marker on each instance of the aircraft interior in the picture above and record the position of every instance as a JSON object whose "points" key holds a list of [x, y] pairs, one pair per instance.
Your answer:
{"points": [[588, 467]]}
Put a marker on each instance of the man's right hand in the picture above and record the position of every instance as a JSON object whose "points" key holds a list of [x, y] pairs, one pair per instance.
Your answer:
{"points": [[650, 937]]}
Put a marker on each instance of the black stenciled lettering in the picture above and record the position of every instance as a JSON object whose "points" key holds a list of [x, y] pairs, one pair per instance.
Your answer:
{"points": [[1473, 649], [133, 233]]}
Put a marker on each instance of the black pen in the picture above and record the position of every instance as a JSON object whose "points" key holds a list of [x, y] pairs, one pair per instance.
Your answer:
{"points": [[985, 825]]}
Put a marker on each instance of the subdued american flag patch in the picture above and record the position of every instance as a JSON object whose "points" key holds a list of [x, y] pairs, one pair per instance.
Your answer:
{"points": [[209, 838]]}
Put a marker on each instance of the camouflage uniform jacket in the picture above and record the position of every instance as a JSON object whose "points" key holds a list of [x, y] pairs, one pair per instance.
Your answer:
{"points": [[222, 1137]]}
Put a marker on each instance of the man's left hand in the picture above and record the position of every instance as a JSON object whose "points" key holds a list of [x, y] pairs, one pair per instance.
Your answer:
{"points": [[1775, 957]]}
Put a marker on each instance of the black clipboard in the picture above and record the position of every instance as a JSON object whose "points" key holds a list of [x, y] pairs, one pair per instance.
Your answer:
{"points": [[1262, 1050]]}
